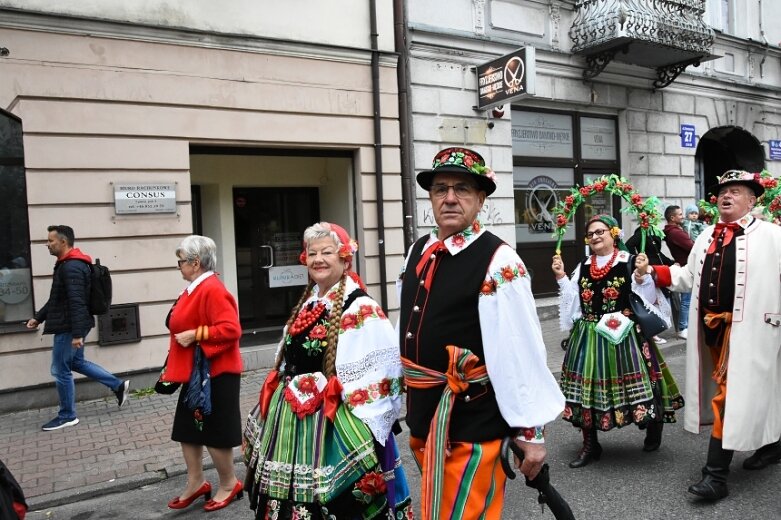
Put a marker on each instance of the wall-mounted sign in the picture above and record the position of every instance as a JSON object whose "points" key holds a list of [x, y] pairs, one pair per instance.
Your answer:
{"points": [[144, 198], [775, 149], [287, 276], [541, 134], [598, 138], [506, 79], [688, 136]]}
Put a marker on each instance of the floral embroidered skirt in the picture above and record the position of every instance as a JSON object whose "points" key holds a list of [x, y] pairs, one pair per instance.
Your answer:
{"points": [[608, 385], [311, 468]]}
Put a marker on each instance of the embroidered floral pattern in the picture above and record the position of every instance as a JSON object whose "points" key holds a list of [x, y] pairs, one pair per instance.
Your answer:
{"points": [[374, 392], [488, 288], [536, 433], [272, 509], [369, 486], [506, 274], [356, 320], [611, 293], [461, 239], [315, 340], [300, 512], [586, 294]]}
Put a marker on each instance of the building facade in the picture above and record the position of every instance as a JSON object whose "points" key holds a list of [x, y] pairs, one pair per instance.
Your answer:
{"points": [[139, 123], [591, 113]]}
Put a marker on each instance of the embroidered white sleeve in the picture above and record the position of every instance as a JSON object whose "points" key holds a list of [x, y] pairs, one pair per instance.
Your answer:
{"points": [[653, 298], [515, 355], [569, 305], [369, 368]]}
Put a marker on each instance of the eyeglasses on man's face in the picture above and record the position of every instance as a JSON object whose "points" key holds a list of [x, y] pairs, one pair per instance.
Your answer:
{"points": [[596, 232], [462, 190], [180, 262]]}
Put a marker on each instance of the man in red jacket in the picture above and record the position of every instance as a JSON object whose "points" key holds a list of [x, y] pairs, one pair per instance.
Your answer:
{"points": [[680, 245]]}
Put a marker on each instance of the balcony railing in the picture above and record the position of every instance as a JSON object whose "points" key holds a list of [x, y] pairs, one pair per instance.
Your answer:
{"points": [[667, 35]]}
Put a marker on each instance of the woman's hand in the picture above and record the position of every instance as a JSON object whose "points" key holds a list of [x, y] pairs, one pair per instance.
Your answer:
{"points": [[558, 267], [185, 338], [641, 267]]}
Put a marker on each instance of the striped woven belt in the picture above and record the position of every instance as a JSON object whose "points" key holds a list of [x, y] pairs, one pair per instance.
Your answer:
{"points": [[461, 371]]}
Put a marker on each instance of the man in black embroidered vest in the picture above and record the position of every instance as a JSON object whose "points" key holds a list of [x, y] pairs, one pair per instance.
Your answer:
{"points": [[733, 367], [472, 349]]}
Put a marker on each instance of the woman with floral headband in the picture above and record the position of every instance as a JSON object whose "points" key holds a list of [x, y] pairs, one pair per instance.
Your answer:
{"points": [[320, 443], [611, 375]]}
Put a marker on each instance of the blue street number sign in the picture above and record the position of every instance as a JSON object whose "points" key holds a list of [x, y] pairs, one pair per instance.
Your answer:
{"points": [[775, 149], [688, 137]]}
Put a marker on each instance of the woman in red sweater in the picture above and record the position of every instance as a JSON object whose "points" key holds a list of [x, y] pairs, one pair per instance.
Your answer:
{"points": [[205, 315]]}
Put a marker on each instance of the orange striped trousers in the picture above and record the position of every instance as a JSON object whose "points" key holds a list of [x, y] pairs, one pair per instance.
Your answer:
{"points": [[474, 482]]}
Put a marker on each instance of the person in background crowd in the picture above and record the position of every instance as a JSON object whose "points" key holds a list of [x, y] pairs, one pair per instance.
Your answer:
{"points": [[692, 224], [680, 245], [322, 446], [472, 348], [611, 375], [204, 342], [66, 316], [733, 366], [653, 249]]}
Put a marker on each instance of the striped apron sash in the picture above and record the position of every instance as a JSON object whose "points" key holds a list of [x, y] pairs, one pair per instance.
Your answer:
{"points": [[460, 373]]}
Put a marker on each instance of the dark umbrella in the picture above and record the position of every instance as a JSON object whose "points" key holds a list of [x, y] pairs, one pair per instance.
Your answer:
{"points": [[547, 493]]}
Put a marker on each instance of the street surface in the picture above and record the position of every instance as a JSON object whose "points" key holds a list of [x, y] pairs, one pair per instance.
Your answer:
{"points": [[625, 483]]}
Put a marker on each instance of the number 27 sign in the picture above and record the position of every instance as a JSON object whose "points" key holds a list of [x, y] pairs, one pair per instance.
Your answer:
{"points": [[688, 137]]}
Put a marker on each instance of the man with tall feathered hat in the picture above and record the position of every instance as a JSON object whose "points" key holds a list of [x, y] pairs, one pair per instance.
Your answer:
{"points": [[472, 349], [733, 361]]}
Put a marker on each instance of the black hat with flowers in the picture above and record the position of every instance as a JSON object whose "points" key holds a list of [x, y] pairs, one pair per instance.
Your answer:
{"points": [[752, 180], [460, 160]]}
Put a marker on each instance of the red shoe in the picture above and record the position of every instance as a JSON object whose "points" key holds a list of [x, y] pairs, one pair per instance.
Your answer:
{"points": [[205, 490], [237, 493]]}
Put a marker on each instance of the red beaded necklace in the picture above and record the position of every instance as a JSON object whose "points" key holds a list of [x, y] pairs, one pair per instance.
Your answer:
{"points": [[597, 273], [306, 319]]}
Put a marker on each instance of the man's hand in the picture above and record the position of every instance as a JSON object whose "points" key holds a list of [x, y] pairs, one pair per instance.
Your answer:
{"points": [[33, 324], [77, 342], [533, 458], [185, 338]]}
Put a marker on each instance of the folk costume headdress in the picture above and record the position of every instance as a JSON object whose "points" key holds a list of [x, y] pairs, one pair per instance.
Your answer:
{"points": [[612, 225], [752, 180], [460, 160], [347, 249]]}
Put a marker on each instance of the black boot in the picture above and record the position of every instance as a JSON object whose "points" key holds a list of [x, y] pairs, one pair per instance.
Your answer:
{"points": [[591, 449], [653, 436], [713, 485], [767, 454]]}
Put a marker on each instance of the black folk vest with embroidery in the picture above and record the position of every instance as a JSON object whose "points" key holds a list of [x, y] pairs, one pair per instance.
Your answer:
{"points": [[447, 315]]}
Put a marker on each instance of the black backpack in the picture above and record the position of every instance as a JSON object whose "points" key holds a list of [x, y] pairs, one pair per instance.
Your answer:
{"points": [[100, 288]]}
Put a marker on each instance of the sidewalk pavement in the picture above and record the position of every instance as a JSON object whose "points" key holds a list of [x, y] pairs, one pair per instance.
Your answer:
{"points": [[113, 449]]}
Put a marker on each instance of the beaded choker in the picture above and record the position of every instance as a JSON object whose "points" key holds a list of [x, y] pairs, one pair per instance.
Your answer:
{"points": [[306, 319], [597, 273]]}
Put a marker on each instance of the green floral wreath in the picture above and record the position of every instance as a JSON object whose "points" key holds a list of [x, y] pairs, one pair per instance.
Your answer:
{"points": [[645, 210], [771, 200]]}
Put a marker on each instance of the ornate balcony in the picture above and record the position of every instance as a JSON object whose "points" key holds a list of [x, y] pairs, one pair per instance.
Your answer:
{"points": [[667, 35]]}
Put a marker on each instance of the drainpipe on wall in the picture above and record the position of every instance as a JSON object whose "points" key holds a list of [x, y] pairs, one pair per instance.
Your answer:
{"points": [[400, 38], [378, 152]]}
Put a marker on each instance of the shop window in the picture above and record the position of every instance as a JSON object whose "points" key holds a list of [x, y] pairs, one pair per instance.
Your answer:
{"points": [[537, 191], [552, 152], [16, 297]]}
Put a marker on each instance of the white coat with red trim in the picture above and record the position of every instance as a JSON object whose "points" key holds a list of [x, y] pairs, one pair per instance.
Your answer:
{"points": [[753, 408]]}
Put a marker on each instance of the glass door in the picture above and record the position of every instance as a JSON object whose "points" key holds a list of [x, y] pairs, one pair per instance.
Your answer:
{"points": [[269, 225]]}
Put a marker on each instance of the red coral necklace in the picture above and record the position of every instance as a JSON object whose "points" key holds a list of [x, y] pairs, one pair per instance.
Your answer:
{"points": [[306, 319], [597, 273]]}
